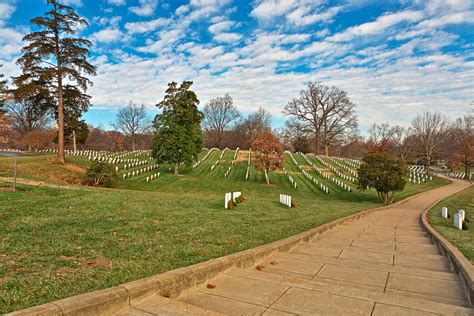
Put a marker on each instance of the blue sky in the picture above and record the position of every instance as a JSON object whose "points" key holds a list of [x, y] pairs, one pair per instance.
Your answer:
{"points": [[395, 58]]}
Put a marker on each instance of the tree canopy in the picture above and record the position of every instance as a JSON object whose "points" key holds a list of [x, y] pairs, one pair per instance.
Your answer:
{"points": [[383, 173], [178, 135], [268, 153], [52, 55]]}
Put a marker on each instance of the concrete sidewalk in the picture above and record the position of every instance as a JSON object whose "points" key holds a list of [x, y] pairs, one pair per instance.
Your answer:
{"points": [[383, 263]]}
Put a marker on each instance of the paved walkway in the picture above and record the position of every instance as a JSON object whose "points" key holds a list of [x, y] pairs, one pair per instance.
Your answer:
{"points": [[380, 264]]}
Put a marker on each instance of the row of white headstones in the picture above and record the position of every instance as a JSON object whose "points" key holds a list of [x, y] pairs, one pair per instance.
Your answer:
{"points": [[458, 175], [335, 170], [322, 186], [247, 174], [209, 152], [343, 164], [226, 174], [459, 217], [140, 171], [214, 165]]}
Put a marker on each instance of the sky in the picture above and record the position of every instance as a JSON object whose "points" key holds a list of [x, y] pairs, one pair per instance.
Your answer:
{"points": [[394, 58]]}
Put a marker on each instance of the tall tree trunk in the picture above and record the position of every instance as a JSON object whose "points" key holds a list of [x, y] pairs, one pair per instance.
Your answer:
{"points": [[60, 94], [176, 169], [74, 144], [466, 169], [30, 148], [60, 121], [133, 142], [326, 149]]}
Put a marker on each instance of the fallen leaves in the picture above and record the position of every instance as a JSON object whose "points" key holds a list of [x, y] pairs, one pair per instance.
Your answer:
{"points": [[259, 267], [210, 286]]}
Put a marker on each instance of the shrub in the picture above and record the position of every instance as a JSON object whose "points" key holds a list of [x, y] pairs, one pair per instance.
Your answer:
{"points": [[100, 174], [383, 173], [239, 199]]}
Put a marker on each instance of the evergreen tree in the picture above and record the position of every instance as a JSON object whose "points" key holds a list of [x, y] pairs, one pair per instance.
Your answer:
{"points": [[383, 173], [54, 54], [3, 89], [75, 104], [178, 136]]}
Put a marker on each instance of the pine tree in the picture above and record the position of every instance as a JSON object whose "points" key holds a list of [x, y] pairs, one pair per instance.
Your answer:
{"points": [[178, 135], [3, 89], [53, 54]]}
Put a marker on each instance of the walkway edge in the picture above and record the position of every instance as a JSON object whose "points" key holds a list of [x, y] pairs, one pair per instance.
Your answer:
{"points": [[459, 263], [175, 282]]}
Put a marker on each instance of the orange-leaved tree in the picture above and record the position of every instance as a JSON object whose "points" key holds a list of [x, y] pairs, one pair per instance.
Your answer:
{"points": [[269, 153]]}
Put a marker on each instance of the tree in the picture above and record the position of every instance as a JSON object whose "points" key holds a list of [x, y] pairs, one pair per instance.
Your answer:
{"points": [[3, 89], [403, 140], [430, 128], [252, 126], [131, 120], [75, 104], [53, 54], [37, 139], [219, 114], [268, 153], [178, 135], [383, 173], [326, 112], [380, 136], [28, 113], [463, 132]]}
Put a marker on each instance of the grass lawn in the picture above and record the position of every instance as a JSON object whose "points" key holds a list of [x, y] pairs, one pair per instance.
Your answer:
{"points": [[461, 239], [58, 242]]}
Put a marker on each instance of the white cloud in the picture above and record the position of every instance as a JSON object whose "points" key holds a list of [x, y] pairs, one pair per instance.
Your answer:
{"points": [[6, 10], [108, 35], [220, 27], [117, 2], [267, 9], [146, 8], [379, 26], [144, 27], [302, 15], [77, 3], [228, 37]]}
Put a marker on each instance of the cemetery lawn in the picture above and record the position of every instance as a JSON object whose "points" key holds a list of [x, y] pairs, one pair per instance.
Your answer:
{"points": [[58, 242], [461, 239]]}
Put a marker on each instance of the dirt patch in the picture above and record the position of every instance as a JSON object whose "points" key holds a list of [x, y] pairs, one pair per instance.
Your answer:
{"points": [[8, 190], [75, 168], [63, 271], [307, 167], [98, 262], [35, 183], [242, 155], [271, 185]]}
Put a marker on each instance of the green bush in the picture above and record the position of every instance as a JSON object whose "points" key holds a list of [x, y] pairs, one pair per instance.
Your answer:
{"points": [[100, 174]]}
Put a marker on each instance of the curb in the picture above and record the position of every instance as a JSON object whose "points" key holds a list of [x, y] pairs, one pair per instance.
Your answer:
{"points": [[173, 283], [459, 264]]}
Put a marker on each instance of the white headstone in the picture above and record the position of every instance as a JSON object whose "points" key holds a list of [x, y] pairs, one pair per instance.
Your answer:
{"points": [[444, 212], [457, 221], [462, 213]]}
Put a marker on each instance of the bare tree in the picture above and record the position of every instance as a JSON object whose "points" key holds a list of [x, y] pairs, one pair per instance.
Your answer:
{"points": [[252, 126], [380, 136], [131, 120], [430, 128], [404, 140], [326, 112], [25, 117], [463, 130], [219, 115]]}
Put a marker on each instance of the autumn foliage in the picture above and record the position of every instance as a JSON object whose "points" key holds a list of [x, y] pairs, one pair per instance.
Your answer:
{"points": [[269, 152]]}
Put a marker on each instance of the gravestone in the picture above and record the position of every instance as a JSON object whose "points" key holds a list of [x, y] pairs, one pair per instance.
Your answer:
{"points": [[457, 221], [444, 212]]}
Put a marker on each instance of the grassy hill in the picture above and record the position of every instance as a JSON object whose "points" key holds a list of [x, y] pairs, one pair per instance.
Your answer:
{"points": [[61, 241]]}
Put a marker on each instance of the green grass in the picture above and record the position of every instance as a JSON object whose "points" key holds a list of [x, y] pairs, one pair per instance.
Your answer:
{"points": [[56, 243], [461, 239]]}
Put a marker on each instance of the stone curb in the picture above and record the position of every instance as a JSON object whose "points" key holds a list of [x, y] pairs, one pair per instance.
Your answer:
{"points": [[173, 283], [459, 264]]}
